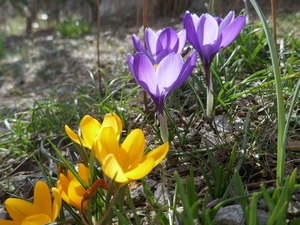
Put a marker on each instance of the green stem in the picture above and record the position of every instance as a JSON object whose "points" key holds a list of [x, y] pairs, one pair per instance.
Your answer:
{"points": [[163, 127], [280, 102]]}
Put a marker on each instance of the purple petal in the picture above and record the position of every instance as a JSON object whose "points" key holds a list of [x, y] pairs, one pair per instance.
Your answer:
{"points": [[182, 40], [168, 72], [186, 70], [151, 41], [130, 64], [227, 20], [207, 30], [232, 31], [190, 23], [144, 72], [168, 39], [138, 44], [162, 55], [215, 49], [207, 35], [219, 20]]}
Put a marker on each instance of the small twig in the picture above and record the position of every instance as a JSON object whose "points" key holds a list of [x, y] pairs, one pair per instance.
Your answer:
{"points": [[274, 22], [145, 25], [98, 47]]}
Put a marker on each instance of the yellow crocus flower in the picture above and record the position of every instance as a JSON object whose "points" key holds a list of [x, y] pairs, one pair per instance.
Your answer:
{"points": [[90, 128], [70, 189], [126, 162], [41, 211]]}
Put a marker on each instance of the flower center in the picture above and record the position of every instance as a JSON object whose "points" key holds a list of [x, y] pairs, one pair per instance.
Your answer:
{"points": [[155, 66]]}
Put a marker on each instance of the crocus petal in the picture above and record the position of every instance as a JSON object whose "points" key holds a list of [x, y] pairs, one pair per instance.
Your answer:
{"points": [[134, 145], [207, 23], [90, 127], [219, 20], [10, 222], [42, 199], [74, 137], [168, 39], [75, 193], [186, 70], [151, 41], [112, 169], [56, 206], [130, 64], [182, 40], [62, 186], [145, 73], [226, 21], [190, 22], [83, 172], [18, 209], [114, 121], [157, 154], [232, 31], [37, 219], [168, 72], [108, 143], [141, 170], [138, 44]]}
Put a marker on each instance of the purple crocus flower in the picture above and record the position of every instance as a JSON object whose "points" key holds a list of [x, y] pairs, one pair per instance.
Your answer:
{"points": [[161, 43], [209, 35], [159, 80]]}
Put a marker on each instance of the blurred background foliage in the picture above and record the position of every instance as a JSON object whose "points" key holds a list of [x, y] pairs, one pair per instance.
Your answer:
{"points": [[36, 14]]}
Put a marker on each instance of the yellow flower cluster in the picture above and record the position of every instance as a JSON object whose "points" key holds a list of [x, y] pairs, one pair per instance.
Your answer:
{"points": [[123, 163], [41, 211]]}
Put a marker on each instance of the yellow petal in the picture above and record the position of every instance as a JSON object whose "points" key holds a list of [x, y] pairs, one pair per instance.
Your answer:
{"points": [[112, 169], [76, 192], [114, 121], [10, 222], [63, 184], [141, 170], [90, 127], [99, 152], [75, 137], [83, 172], [56, 206], [158, 154], [134, 145], [70, 175], [108, 143], [42, 199], [37, 219], [18, 209]]}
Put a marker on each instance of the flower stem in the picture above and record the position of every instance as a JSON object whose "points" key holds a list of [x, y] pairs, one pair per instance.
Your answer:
{"points": [[164, 133], [209, 96]]}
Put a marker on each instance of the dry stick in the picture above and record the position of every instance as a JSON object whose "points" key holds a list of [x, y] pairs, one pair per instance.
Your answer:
{"points": [[98, 47], [137, 14], [274, 22], [145, 25], [175, 8]]}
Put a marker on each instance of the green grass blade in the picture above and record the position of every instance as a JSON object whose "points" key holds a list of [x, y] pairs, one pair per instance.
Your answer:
{"points": [[253, 211], [184, 199], [280, 102], [240, 191]]}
